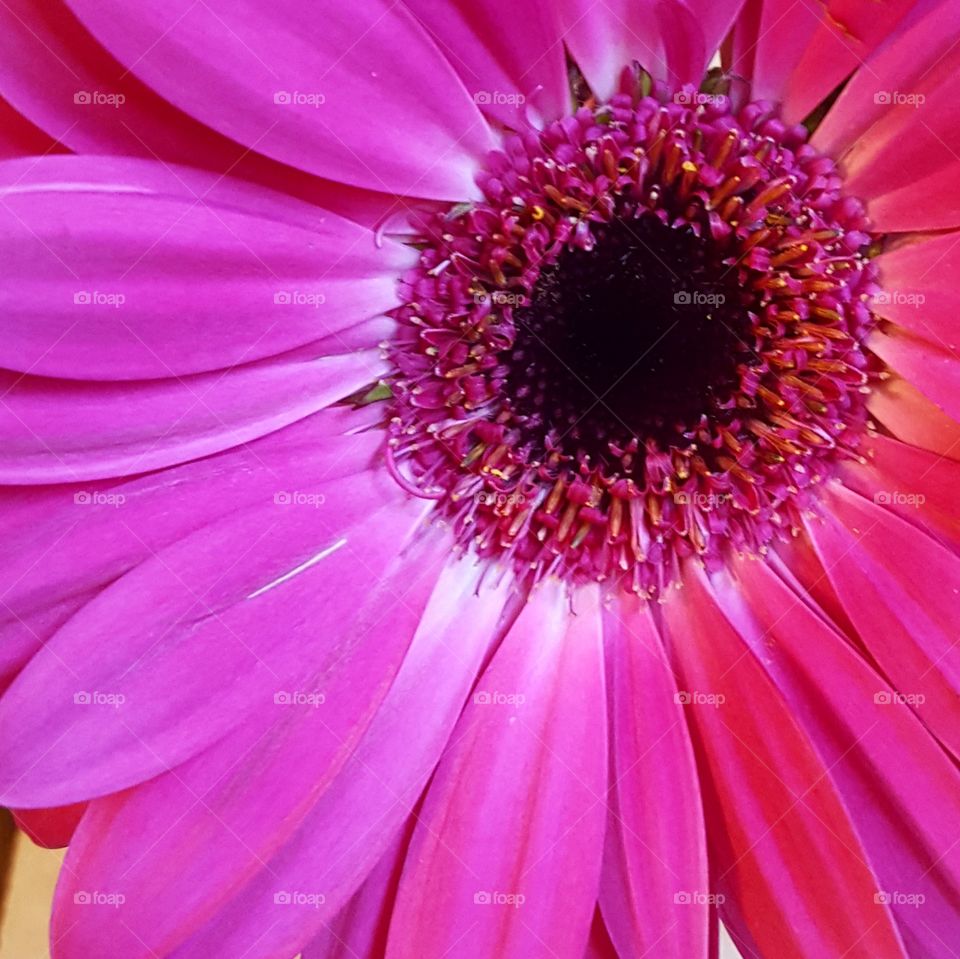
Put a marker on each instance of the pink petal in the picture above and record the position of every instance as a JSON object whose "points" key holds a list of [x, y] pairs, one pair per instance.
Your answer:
{"points": [[655, 860], [505, 65], [179, 272], [400, 124], [506, 855], [58, 431], [254, 787], [672, 39], [900, 788], [185, 642], [896, 123], [931, 365], [783, 848], [359, 931], [918, 293], [66, 543], [917, 485], [907, 618], [51, 69], [354, 822], [803, 51], [911, 417]]}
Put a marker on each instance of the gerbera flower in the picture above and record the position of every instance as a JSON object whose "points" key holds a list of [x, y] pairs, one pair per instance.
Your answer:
{"points": [[479, 480]]}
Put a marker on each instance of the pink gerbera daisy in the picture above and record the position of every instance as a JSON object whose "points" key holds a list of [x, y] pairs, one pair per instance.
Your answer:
{"points": [[480, 478]]}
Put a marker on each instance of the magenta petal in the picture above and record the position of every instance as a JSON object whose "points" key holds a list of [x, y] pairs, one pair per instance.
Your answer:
{"points": [[907, 618], [507, 851], [163, 661], [178, 275], [782, 842], [51, 68], [672, 40], [66, 543], [655, 862], [256, 784], [354, 822], [360, 930], [318, 87], [507, 65], [61, 431]]}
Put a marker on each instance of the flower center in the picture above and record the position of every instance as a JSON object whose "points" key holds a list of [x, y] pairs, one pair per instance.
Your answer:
{"points": [[643, 343]]}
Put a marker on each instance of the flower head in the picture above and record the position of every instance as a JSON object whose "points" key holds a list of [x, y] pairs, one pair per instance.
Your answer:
{"points": [[479, 479]]}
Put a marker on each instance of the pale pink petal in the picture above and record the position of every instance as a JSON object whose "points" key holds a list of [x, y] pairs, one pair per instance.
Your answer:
{"points": [[656, 859], [187, 640], [175, 271], [507, 851], [319, 87], [510, 62], [354, 822], [907, 617], [783, 845]]}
